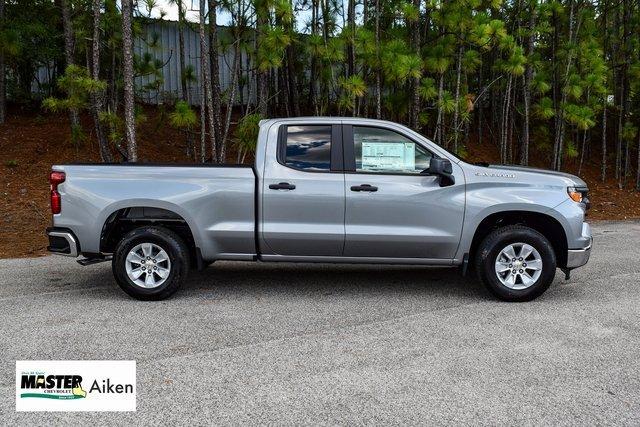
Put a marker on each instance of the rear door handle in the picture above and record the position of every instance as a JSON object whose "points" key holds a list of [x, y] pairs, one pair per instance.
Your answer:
{"points": [[364, 187], [282, 186]]}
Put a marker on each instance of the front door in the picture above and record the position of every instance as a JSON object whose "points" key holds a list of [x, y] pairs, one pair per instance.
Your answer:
{"points": [[303, 193], [394, 209]]}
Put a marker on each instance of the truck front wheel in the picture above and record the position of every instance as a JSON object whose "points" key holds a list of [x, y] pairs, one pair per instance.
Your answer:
{"points": [[516, 263], [150, 263]]}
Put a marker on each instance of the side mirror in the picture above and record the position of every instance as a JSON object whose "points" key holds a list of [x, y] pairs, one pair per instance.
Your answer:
{"points": [[442, 168]]}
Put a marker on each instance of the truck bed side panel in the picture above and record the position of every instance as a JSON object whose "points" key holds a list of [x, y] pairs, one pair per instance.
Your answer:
{"points": [[216, 202]]}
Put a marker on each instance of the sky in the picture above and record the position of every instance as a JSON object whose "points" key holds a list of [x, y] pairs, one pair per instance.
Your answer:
{"points": [[223, 18]]}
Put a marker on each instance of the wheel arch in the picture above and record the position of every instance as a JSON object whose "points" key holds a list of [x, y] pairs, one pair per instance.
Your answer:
{"points": [[543, 223], [124, 219]]}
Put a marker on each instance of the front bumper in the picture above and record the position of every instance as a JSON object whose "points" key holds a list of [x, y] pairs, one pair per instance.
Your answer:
{"points": [[62, 241], [579, 257]]}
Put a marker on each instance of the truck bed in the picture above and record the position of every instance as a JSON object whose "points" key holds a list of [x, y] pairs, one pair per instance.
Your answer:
{"points": [[218, 202]]}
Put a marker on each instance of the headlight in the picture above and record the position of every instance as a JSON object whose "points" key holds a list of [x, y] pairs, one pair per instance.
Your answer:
{"points": [[579, 195], [574, 194]]}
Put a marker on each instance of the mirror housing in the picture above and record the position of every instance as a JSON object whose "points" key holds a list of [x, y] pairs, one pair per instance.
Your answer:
{"points": [[442, 168]]}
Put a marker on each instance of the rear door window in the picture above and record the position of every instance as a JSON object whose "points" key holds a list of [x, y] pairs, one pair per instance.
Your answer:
{"points": [[307, 148]]}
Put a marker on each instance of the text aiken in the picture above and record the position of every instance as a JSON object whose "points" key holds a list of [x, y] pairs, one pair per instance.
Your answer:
{"points": [[107, 387]]}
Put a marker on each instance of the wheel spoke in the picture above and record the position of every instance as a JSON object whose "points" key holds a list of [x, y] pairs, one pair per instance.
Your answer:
{"points": [[525, 251], [161, 257], [527, 280], [502, 266], [509, 252], [535, 264], [134, 257], [150, 281], [162, 272], [146, 249], [136, 273]]}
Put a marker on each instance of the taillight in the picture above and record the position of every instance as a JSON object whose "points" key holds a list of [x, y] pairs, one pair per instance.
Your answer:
{"points": [[56, 178]]}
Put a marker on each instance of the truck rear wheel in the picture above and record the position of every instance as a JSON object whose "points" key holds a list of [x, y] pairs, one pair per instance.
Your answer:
{"points": [[150, 263], [516, 263]]}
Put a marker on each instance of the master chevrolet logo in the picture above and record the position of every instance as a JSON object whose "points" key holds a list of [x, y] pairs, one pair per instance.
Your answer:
{"points": [[75, 385], [52, 386]]}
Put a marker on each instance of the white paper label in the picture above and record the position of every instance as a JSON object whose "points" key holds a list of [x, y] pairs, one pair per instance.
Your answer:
{"points": [[391, 156]]}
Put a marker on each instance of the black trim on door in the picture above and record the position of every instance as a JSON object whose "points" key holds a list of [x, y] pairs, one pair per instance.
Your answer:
{"points": [[337, 157]]}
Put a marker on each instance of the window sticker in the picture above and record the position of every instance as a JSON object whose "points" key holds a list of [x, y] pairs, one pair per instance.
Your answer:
{"points": [[388, 156]]}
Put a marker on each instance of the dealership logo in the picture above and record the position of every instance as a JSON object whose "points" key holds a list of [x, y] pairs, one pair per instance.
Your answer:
{"points": [[41, 385], [82, 385]]}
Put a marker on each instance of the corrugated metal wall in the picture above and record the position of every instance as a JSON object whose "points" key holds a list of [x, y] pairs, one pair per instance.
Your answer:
{"points": [[166, 50]]}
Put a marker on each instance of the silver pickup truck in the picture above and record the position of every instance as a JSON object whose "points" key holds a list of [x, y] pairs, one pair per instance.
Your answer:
{"points": [[323, 189]]}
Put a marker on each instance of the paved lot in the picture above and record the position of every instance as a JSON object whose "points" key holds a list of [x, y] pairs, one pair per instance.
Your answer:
{"points": [[258, 343]]}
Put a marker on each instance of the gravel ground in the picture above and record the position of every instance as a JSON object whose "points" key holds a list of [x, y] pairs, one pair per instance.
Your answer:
{"points": [[325, 344]]}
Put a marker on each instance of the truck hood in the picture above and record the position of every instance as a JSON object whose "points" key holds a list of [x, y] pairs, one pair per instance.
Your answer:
{"points": [[577, 182]]}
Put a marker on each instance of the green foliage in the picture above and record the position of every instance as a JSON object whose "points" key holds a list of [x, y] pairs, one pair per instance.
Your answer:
{"points": [[580, 116], [183, 117], [246, 133], [544, 108], [78, 87], [427, 89]]}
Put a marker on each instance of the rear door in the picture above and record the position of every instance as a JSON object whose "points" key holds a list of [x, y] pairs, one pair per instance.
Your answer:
{"points": [[393, 208], [303, 192]]}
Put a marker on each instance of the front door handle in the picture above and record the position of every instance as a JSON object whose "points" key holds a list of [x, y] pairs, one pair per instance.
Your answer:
{"points": [[282, 186], [364, 187]]}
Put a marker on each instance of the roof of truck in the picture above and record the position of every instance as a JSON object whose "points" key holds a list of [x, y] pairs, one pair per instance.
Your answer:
{"points": [[323, 119]]}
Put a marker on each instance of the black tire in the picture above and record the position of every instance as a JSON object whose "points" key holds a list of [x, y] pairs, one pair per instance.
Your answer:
{"points": [[488, 253], [171, 243]]}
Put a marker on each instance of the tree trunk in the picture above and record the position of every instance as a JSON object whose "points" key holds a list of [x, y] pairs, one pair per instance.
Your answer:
{"points": [[604, 140], [415, 96], [204, 57], [638, 170], [214, 53], [313, 81], [560, 127], [262, 77], [97, 98], [528, 78], [232, 96], [437, 135], [378, 70], [456, 114], [127, 77], [3, 88], [184, 87], [184, 91], [68, 53], [351, 25], [604, 107], [294, 99]]}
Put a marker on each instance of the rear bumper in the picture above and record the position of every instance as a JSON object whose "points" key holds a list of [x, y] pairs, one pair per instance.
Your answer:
{"points": [[579, 257], [62, 241]]}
